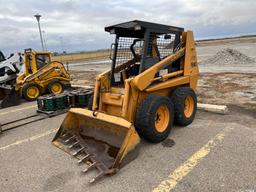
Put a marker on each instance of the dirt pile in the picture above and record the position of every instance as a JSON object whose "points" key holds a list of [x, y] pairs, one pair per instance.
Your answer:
{"points": [[228, 57], [228, 89]]}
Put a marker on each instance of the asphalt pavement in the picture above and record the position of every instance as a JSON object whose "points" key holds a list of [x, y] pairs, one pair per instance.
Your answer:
{"points": [[215, 153]]}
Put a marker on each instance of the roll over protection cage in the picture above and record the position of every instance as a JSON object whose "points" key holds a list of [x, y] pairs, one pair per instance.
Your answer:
{"points": [[129, 33]]}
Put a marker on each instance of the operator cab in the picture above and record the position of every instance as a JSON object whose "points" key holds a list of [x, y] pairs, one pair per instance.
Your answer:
{"points": [[140, 45], [42, 60], [36, 60]]}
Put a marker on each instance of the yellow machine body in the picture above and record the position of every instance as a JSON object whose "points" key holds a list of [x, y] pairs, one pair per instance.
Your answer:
{"points": [[123, 101], [111, 120]]}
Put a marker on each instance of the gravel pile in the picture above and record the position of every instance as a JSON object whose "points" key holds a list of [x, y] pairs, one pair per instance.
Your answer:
{"points": [[228, 57]]}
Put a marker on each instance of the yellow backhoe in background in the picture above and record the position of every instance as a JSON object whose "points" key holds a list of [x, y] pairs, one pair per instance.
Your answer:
{"points": [[39, 75], [150, 86]]}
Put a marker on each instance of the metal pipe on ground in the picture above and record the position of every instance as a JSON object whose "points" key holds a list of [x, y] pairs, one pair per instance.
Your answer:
{"points": [[220, 109]]}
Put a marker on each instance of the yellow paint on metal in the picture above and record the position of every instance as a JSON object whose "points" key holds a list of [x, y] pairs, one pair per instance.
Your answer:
{"points": [[143, 80], [178, 81], [189, 106], [179, 173], [169, 75], [162, 118], [56, 88], [33, 92], [35, 137]]}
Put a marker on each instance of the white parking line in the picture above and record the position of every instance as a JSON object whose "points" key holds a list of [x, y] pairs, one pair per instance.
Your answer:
{"points": [[35, 137]]}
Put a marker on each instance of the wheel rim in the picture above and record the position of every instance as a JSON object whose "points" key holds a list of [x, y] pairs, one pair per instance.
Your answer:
{"points": [[56, 88], [188, 106], [33, 92], [162, 118]]}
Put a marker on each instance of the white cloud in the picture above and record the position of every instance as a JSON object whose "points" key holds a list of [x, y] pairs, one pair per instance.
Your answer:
{"points": [[79, 24]]}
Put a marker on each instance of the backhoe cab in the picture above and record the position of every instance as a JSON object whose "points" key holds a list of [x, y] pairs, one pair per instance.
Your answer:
{"points": [[149, 87]]}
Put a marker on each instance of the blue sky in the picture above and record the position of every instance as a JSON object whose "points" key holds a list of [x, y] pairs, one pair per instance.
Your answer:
{"points": [[78, 25]]}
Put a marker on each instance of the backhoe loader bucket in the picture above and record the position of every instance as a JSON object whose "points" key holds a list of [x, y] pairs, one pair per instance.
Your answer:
{"points": [[101, 141], [9, 97]]}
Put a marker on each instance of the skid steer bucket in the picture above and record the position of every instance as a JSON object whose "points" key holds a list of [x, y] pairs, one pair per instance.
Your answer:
{"points": [[9, 97], [101, 141]]}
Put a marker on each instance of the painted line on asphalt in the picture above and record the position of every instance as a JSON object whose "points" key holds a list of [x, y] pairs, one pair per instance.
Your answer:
{"points": [[33, 138], [20, 109], [179, 173]]}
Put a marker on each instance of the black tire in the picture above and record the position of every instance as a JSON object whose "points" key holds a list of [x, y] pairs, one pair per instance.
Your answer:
{"points": [[146, 114], [55, 81], [25, 89], [90, 102], [178, 98]]}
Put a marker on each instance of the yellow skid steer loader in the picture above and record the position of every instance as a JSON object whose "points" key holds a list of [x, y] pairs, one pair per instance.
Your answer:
{"points": [[150, 86], [39, 75]]}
